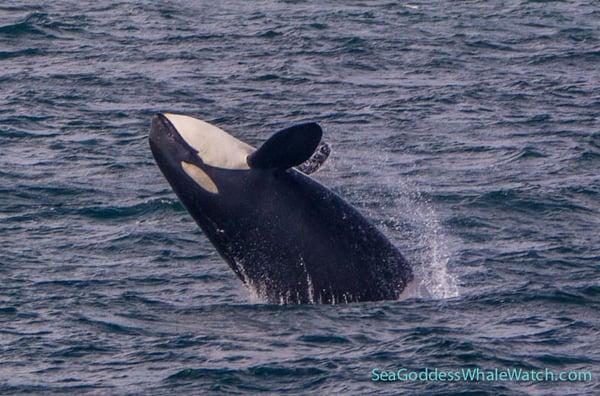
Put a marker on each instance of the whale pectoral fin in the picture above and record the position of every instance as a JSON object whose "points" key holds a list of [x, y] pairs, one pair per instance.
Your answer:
{"points": [[316, 160], [287, 148]]}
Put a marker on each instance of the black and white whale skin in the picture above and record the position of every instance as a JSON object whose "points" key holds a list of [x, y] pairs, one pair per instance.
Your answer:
{"points": [[285, 235]]}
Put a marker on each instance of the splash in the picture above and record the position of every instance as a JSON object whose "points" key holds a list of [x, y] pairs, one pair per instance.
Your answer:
{"points": [[432, 268], [257, 289], [409, 219], [414, 223], [309, 283]]}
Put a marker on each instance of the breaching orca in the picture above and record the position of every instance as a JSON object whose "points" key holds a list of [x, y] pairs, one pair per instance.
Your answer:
{"points": [[285, 235]]}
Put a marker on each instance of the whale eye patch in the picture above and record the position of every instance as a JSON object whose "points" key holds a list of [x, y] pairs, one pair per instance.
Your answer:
{"points": [[200, 177]]}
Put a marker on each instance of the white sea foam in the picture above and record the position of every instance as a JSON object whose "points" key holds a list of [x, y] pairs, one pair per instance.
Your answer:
{"points": [[411, 222], [416, 225], [431, 264]]}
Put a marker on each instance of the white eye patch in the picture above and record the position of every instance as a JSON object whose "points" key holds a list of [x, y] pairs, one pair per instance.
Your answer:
{"points": [[200, 177], [215, 147]]}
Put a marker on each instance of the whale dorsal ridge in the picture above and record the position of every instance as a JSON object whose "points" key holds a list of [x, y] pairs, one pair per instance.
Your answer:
{"points": [[287, 148]]}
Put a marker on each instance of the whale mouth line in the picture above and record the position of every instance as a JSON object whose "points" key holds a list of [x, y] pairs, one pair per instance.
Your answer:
{"points": [[166, 125], [161, 126]]}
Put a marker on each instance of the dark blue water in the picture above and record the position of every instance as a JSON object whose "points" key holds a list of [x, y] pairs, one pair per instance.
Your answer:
{"points": [[468, 131]]}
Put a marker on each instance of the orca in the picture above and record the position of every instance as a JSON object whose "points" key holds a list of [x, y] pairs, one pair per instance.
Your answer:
{"points": [[285, 235]]}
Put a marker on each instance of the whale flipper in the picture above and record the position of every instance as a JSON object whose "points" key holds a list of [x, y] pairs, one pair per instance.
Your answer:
{"points": [[287, 148], [315, 162]]}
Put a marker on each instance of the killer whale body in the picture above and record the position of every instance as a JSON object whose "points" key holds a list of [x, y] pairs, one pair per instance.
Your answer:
{"points": [[285, 235]]}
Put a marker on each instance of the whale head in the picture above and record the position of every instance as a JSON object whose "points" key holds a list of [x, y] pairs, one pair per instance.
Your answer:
{"points": [[184, 145], [188, 149]]}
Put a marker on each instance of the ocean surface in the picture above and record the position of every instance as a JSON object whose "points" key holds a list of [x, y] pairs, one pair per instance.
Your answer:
{"points": [[468, 131]]}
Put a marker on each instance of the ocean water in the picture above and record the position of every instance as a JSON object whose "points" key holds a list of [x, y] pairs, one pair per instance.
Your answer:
{"points": [[467, 131]]}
